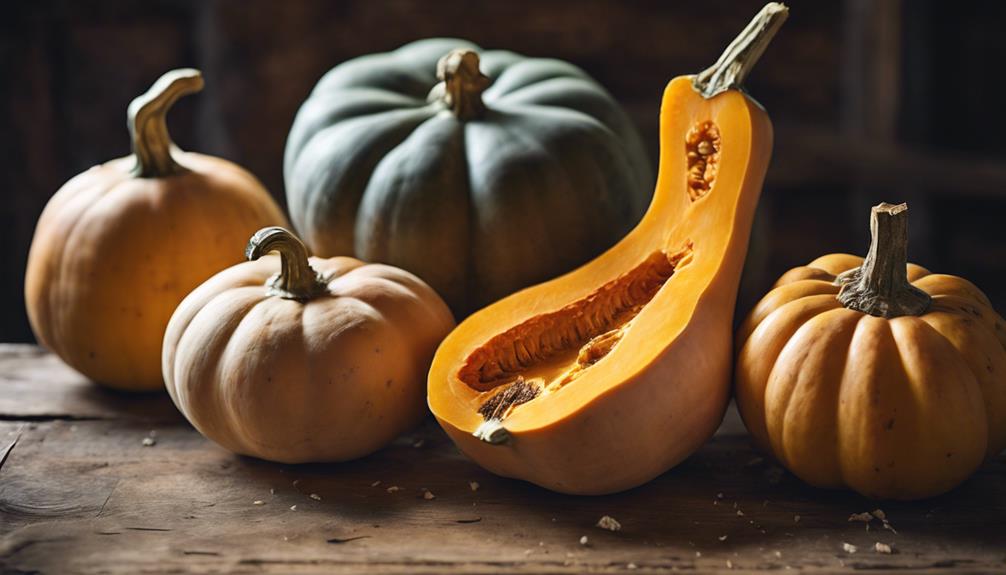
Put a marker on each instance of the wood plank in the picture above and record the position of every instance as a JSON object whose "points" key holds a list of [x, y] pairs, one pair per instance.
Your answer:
{"points": [[79, 492]]}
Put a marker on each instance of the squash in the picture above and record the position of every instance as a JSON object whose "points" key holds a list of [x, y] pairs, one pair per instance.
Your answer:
{"points": [[604, 378], [296, 359], [875, 375], [112, 255], [461, 177]]}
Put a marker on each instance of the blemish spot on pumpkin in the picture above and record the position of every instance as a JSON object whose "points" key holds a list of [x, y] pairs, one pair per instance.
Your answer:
{"points": [[554, 348], [702, 147]]}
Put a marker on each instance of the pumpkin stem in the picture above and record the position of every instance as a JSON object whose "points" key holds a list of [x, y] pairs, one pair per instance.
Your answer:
{"points": [[739, 58], [880, 286], [461, 84], [152, 144], [296, 279]]}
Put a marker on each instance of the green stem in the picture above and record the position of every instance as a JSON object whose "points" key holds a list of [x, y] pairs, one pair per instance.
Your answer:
{"points": [[152, 145], [742, 54], [296, 279], [880, 287]]}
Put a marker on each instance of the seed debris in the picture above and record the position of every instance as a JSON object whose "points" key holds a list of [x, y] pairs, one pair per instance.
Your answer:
{"points": [[722, 537], [258, 502], [149, 442], [375, 484], [293, 508], [610, 523], [428, 495], [473, 485], [849, 548], [584, 541], [315, 496], [730, 564], [796, 519], [393, 489], [883, 548]]}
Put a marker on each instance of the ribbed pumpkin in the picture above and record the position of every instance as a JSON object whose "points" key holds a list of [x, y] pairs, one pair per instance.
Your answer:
{"points": [[875, 374], [481, 184], [294, 359], [111, 256]]}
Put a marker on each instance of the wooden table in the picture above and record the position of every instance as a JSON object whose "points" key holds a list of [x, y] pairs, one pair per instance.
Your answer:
{"points": [[82, 490]]}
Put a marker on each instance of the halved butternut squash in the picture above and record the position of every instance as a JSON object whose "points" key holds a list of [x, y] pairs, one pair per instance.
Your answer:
{"points": [[605, 377]]}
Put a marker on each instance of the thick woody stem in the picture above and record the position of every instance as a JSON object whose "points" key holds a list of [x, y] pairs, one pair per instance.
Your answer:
{"points": [[462, 83], [880, 287]]}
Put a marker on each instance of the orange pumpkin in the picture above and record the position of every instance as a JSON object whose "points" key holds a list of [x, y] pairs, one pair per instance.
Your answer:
{"points": [[875, 374], [294, 359], [605, 377], [112, 253]]}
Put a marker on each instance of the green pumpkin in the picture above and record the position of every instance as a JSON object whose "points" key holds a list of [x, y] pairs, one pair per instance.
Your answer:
{"points": [[479, 184]]}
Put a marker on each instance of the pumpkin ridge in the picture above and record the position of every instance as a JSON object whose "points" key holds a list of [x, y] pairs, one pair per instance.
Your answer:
{"points": [[783, 450], [864, 323], [214, 368], [971, 390], [305, 188], [58, 270], [975, 370], [320, 112], [71, 238]]}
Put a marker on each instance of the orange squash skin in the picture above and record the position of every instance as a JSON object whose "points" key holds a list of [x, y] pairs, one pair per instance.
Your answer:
{"points": [[112, 257], [662, 391], [332, 378], [901, 408]]}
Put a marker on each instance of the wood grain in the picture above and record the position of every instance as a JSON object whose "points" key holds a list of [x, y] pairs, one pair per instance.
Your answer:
{"points": [[80, 493]]}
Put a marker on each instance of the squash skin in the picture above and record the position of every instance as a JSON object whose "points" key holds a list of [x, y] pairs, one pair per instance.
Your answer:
{"points": [[107, 265], [663, 390], [332, 378], [374, 170], [913, 416]]}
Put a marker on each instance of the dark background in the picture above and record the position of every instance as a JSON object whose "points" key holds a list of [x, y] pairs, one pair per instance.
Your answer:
{"points": [[880, 100]]}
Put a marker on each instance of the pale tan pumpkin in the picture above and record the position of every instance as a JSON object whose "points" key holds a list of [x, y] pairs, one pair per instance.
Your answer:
{"points": [[294, 359], [875, 375], [108, 265]]}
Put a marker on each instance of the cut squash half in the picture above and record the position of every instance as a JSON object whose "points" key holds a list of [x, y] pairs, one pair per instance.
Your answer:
{"points": [[604, 378]]}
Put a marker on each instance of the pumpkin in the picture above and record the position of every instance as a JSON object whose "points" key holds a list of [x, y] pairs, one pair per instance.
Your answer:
{"points": [[296, 359], [875, 374], [603, 378], [460, 176], [112, 254]]}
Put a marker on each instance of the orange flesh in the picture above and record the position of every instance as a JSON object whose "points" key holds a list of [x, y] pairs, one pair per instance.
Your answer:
{"points": [[551, 350]]}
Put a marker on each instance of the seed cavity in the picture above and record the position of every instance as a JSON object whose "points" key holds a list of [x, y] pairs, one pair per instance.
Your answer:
{"points": [[702, 146], [548, 351]]}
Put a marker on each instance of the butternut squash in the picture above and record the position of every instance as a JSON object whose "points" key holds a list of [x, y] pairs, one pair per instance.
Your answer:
{"points": [[603, 378]]}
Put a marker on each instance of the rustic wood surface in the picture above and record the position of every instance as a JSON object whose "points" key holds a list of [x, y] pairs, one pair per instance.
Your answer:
{"points": [[81, 493]]}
